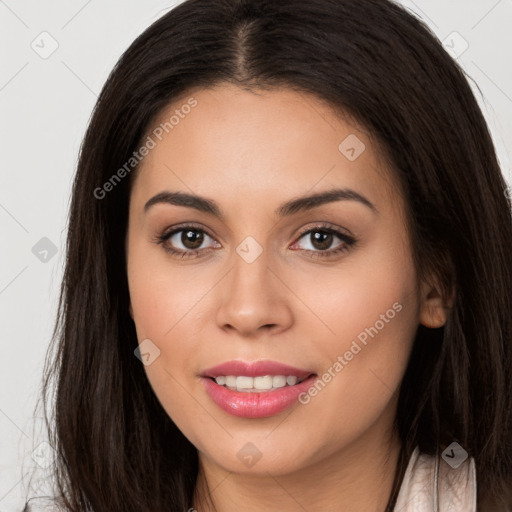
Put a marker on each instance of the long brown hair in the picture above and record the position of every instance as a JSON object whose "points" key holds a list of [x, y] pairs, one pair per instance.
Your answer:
{"points": [[117, 450]]}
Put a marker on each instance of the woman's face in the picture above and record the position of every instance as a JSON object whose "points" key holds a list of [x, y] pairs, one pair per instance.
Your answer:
{"points": [[261, 275]]}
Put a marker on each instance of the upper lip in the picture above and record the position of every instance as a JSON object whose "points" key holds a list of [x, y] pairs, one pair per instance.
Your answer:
{"points": [[255, 369]]}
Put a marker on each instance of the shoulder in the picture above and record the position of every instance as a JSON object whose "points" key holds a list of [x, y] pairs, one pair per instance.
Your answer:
{"points": [[437, 483]]}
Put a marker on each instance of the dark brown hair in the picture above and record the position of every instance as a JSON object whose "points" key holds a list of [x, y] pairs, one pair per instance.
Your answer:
{"points": [[117, 448]]}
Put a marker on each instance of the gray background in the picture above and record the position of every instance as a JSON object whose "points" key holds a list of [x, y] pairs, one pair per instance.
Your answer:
{"points": [[45, 103]]}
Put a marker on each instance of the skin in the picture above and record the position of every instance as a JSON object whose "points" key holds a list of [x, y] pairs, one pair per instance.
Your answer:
{"points": [[250, 152]]}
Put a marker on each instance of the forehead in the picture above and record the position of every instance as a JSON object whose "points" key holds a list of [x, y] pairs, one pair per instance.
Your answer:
{"points": [[267, 144]]}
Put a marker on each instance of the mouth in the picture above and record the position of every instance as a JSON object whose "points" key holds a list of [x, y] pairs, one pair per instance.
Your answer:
{"points": [[261, 384], [255, 389]]}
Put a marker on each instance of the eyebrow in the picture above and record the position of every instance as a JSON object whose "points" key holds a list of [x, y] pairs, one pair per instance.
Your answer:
{"points": [[291, 207]]}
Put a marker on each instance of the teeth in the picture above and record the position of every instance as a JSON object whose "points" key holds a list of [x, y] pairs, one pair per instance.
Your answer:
{"points": [[255, 384], [279, 381], [244, 383], [291, 380], [263, 382], [230, 381]]}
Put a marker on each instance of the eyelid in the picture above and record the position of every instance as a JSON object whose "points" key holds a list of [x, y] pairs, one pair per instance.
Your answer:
{"points": [[304, 230], [167, 232], [348, 240], [324, 225]]}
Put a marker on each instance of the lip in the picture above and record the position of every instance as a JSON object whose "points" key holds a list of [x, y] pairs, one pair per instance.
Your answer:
{"points": [[255, 369], [260, 404]]}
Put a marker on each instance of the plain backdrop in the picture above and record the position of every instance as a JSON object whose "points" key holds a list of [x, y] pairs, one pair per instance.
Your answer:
{"points": [[55, 57]]}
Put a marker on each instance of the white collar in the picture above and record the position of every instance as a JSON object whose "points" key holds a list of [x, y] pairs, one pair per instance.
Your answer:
{"points": [[432, 485]]}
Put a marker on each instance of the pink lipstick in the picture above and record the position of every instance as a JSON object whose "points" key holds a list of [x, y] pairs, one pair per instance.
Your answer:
{"points": [[255, 389]]}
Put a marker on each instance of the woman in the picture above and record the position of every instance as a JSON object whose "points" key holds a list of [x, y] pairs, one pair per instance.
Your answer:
{"points": [[288, 281]]}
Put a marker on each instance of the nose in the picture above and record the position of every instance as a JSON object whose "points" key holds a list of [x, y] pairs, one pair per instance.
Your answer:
{"points": [[253, 300]]}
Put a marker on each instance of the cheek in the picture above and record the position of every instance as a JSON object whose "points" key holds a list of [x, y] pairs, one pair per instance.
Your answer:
{"points": [[163, 295], [169, 313], [368, 287], [371, 306], [168, 309]]}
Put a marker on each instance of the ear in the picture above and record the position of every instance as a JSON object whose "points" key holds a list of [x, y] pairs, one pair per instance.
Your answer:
{"points": [[434, 307]]}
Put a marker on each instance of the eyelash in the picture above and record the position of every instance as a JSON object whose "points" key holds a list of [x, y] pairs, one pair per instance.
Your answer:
{"points": [[347, 241]]}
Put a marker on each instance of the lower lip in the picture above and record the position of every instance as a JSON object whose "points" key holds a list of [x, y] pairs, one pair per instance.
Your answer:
{"points": [[255, 405]]}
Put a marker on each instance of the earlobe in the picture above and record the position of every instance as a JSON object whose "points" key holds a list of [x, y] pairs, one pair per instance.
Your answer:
{"points": [[434, 310], [433, 314]]}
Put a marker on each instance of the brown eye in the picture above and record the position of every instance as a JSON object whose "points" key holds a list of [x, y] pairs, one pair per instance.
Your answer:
{"points": [[321, 240], [192, 239], [186, 241]]}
